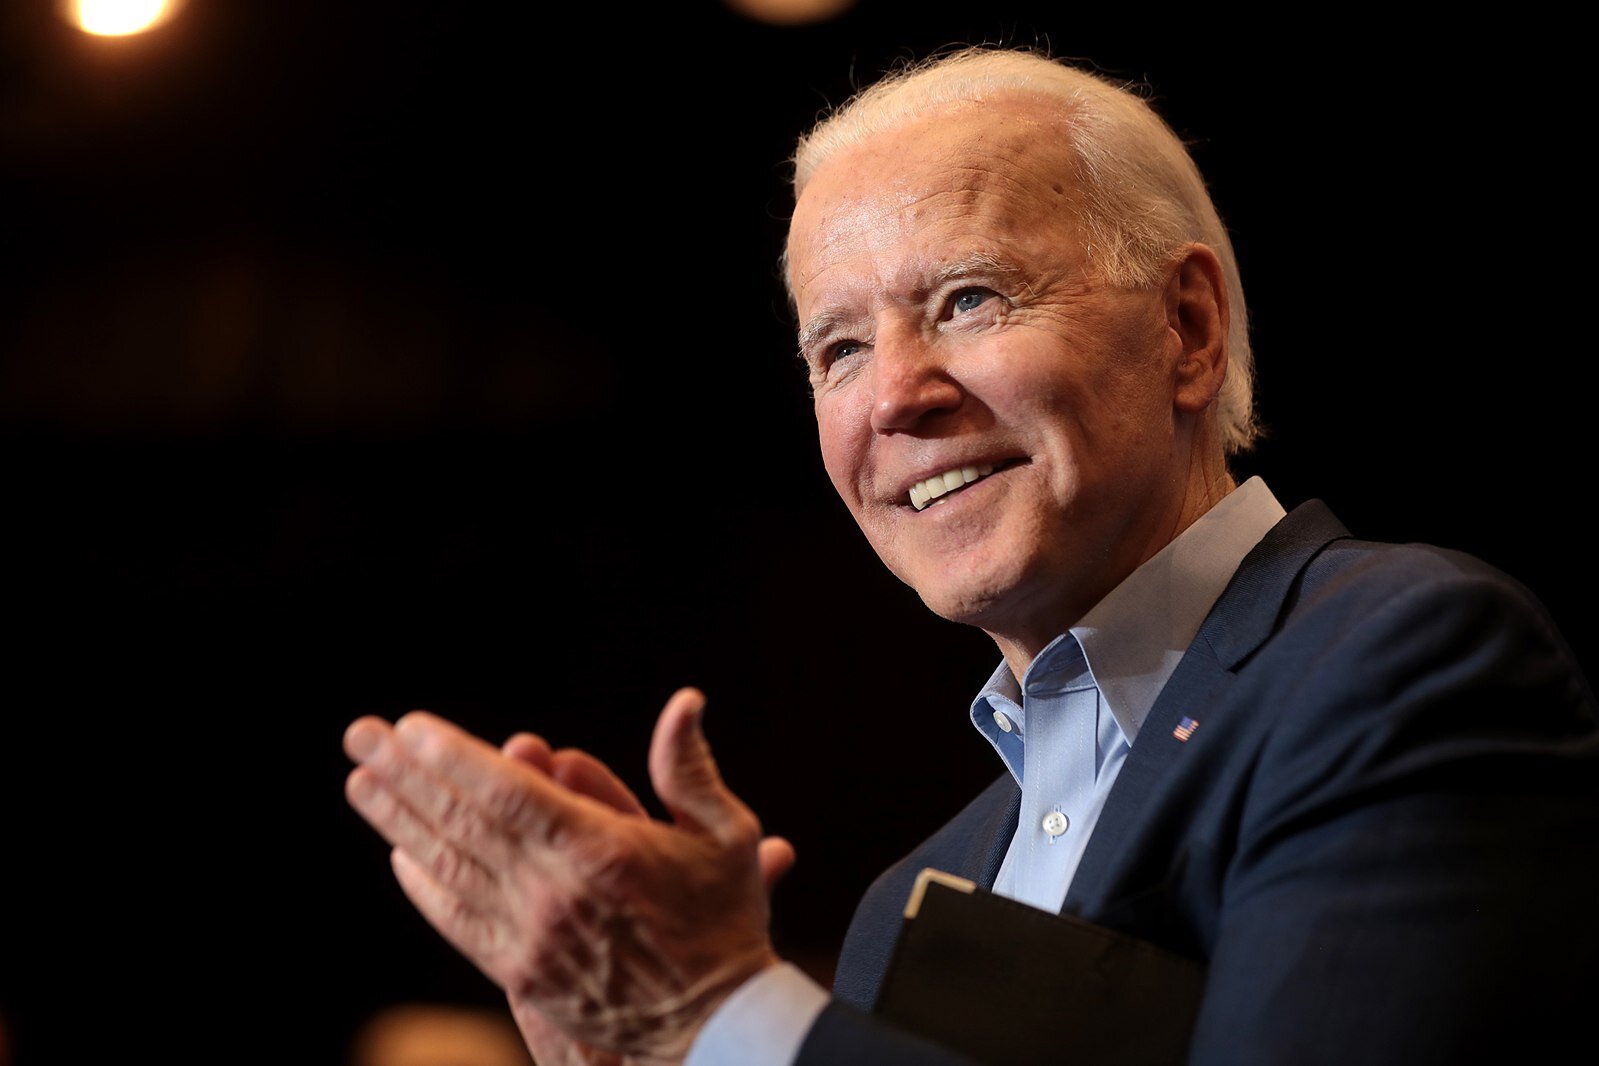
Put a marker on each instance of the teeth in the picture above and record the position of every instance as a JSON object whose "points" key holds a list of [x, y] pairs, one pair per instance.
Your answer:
{"points": [[925, 492]]}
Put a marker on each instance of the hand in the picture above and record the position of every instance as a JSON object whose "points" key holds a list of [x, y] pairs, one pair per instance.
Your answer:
{"points": [[582, 773], [620, 932], [585, 774]]}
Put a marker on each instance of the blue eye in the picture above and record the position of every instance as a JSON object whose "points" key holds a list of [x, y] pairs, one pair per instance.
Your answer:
{"points": [[970, 299]]}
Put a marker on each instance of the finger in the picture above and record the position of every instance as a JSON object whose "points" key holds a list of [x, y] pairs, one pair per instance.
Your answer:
{"points": [[775, 857], [517, 799], [530, 749], [577, 770], [582, 772], [384, 810], [444, 813], [686, 778], [363, 736], [471, 933]]}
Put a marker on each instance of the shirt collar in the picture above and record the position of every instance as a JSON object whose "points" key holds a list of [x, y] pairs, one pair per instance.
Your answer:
{"points": [[1134, 638]]}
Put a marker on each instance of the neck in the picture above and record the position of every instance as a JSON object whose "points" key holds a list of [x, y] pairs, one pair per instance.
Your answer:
{"points": [[1208, 484]]}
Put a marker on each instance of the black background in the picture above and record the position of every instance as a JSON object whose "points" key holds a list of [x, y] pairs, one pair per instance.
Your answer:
{"points": [[355, 359]]}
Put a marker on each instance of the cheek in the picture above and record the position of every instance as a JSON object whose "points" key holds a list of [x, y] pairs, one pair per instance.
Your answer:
{"points": [[843, 447]]}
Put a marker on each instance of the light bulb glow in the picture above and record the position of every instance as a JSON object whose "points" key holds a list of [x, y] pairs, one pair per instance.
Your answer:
{"points": [[119, 18], [790, 12]]}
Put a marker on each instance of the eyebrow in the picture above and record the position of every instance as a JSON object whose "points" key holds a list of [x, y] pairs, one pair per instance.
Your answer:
{"points": [[812, 332], [976, 262]]}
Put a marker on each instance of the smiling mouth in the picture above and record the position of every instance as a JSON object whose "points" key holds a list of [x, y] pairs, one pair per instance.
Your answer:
{"points": [[935, 489]]}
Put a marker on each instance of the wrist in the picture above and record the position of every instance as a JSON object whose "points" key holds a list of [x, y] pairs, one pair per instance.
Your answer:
{"points": [[694, 1008]]}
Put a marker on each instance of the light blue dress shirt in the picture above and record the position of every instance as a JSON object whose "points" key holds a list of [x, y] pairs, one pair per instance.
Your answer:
{"points": [[1063, 732]]}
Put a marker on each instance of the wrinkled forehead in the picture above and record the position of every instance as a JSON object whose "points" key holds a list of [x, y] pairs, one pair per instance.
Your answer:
{"points": [[988, 169], [968, 173]]}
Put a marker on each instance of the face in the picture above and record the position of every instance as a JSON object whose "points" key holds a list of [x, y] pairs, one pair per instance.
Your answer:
{"points": [[1011, 433]]}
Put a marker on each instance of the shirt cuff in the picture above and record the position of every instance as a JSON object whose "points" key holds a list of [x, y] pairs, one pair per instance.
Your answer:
{"points": [[763, 1023]]}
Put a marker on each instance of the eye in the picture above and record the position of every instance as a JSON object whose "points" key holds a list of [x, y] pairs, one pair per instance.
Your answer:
{"points": [[835, 359], [970, 300], [843, 350]]}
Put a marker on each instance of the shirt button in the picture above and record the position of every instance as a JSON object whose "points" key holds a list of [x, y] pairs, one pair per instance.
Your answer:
{"points": [[1002, 720], [1055, 823]]}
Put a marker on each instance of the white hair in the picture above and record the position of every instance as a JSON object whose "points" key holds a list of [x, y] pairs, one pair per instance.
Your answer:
{"points": [[1141, 198]]}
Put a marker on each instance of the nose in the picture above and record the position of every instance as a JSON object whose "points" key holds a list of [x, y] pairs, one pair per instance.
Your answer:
{"points": [[911, 383]]}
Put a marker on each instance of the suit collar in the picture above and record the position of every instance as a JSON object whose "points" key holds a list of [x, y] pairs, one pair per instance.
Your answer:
{"points": [[1248, 610], [1239, 623]]}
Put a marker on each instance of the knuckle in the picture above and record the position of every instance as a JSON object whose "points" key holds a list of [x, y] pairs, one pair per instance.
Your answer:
{"points": [[459, 916], [505, 800], [457, 819], [447, 867]]}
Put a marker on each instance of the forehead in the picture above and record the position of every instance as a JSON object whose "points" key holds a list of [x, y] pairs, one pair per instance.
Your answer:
{"points": [[993, 177]]}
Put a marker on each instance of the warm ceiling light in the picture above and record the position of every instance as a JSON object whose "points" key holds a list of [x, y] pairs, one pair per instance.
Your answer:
{"points": [[120, 18], [790, 12]]}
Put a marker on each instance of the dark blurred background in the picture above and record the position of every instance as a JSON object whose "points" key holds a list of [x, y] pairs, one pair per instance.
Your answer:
{"points": [[361, 357]]}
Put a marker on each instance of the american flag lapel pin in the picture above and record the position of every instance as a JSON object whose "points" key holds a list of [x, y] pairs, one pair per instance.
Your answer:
{"points": [[1185, 729]]}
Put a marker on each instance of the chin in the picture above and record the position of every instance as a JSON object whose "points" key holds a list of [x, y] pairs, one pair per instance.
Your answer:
{"points": [[974, 602]]}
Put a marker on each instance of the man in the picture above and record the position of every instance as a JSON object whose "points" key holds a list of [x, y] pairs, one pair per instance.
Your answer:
{"points": [[1356, 780]]}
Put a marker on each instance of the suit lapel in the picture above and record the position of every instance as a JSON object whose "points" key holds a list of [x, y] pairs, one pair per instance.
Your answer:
{"points": [[986, 851], [1243, 617], [973, 844]]}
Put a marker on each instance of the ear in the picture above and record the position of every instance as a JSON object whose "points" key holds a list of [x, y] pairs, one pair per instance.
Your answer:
{"points": [[1196, 315]]}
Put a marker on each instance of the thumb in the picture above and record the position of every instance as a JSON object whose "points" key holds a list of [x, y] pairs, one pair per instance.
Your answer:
{"points": [[685, 775]]}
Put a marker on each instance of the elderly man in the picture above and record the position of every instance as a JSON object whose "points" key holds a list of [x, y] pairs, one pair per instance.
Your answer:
{"points": [[1356, 780]]}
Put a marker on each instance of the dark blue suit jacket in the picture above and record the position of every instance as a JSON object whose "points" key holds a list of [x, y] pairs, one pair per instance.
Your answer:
{"points": [[1383, 836]]}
